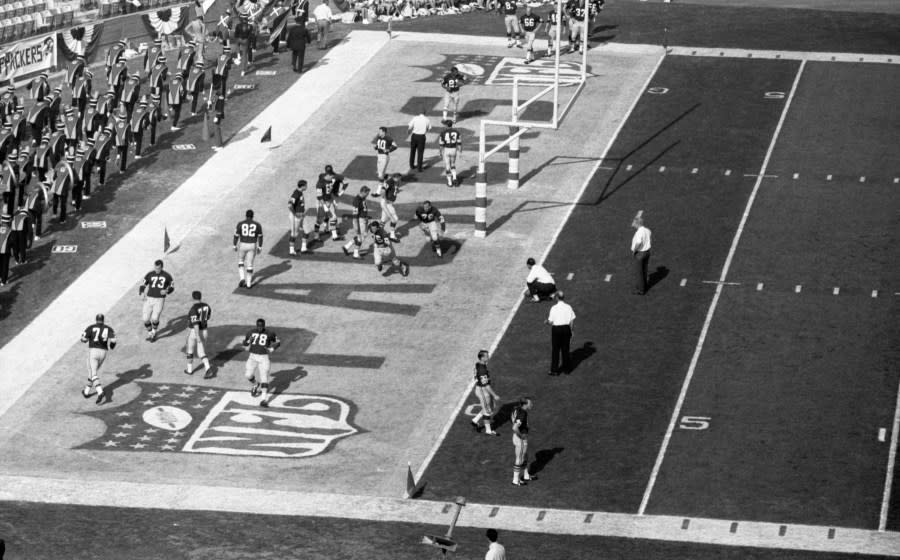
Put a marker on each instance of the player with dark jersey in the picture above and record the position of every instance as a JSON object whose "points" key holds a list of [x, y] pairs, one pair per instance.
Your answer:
{"points": [[519, 421], [487, 398], [329, 187], [158, 284], [384, 145], [531, 24], [248, 240], [100, 338], [513, 32], [198, 325], [387, 195], [296, 212], [554, 23], [260, 342], [577, 25], [360, 221], [451, 83], [432, 224], [383, 249], [450, 147]]}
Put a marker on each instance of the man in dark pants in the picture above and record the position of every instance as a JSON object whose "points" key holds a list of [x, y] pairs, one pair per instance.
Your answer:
{"points": [[640, 251], [418, 128], [539, 283], [562, 323], [218, 117], [243, 33], [297, 39]]}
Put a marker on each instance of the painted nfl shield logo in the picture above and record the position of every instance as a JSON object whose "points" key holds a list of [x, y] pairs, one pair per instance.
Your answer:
{"points": [[292, 426]]}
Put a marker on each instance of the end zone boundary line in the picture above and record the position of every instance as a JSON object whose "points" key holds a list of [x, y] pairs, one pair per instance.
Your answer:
{"points": [[676, 413], [462, 401]]}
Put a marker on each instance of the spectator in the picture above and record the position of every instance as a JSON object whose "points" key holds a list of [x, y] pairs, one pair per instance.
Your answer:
{"points": [[495, 551], [323, 17], [640, 251], [243, 33], [218, 117], [196, 30], [297, 39]]}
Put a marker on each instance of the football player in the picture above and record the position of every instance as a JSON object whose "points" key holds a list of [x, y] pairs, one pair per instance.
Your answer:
{"points": [[513, 32], [198, 324], [296, 211], [384, 145], [100, 339], [552, 23], [487, 398], [450, 147], [387, 195], [451, 84], [531, 24], [328, 188], [360, 222], [383, 249], [519, 420], [432, 224], [248, 240], [261, 343], [158, 284], [577, 31]]}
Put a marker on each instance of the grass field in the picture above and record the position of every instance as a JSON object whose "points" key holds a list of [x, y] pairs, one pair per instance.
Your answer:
{"points": [[755, 382]]}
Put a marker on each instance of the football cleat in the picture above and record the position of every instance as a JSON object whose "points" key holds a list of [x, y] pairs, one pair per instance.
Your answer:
{"points": [[188, 371], [254, 392], [86, 392], [379, 267], [439, 252], [100, 396], [264, 403], [476, 427], [242, 283], [404, 269], [519, 483], [346, 251], [292, 251]]}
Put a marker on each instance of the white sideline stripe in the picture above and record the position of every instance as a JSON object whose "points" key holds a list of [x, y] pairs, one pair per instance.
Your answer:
{"points": [[570, 276], [786, 55], [882, 434], [52, 333], [462, 401], [511, 518], [715, 301], [891, 465]]}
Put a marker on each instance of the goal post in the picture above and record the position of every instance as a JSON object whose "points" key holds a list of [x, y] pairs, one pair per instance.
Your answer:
{"points": [[548, 86]]}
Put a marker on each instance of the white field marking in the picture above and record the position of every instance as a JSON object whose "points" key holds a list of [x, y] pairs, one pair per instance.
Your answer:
{"points": [[662, 168], [759, 287], [882, 434], [628, 167], [763, 175], [892, 462], [694, 171], [785, 55], [676, 413], [862, 179], [896, 180], [511, 518], [796, 175], [720, 283], [49, 336], [512, 312], [607, 278], [836, 291], [606, 168], [874, 293], [797, 288], [727, 172], [828, 178], [683, 282], [570, 276]]}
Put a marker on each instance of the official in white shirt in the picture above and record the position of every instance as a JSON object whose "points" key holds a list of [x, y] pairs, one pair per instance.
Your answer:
{"points": [[540, 283], [640, 251], [562, 323], [418, 128], [323, 16], [495, 551]]}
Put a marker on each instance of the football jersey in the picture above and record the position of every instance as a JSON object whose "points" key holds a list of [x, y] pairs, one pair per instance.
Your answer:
{"points": [[482, 377], [509, 7], [385, 145], [261, 342], [391, 188], [158, 284], [248, 231], [576, 10], [99, 336], [530, 22], [520, 417], [452, 82], [449, 138], [380, 238], [429, 216], [297, 202], [199, 315], [595, 6], [360, 208], [327, 189]]}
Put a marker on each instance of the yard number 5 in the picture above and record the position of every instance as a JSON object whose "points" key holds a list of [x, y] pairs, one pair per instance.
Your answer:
{"points": [[694, 422]]}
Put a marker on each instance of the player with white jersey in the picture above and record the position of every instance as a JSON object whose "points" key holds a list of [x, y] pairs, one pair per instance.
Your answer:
{"points": [[248, 240], [100, 338]]}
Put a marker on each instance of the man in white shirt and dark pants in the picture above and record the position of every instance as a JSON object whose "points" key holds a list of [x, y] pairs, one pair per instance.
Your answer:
{"points": [[495, 551], [418, 128], [540, 283], [640, 251], [562, 323]]}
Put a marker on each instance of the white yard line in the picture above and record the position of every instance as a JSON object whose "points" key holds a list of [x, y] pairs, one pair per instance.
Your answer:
{"points": [[51, 334], [715, 300], [892, 463], [512, 312], [533, 520]]}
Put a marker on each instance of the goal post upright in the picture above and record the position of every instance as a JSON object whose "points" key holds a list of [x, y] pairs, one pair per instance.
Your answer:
{"points": [[517, 127]]}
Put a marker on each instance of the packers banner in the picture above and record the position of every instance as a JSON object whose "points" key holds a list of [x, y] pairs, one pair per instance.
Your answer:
{"points": [[27, 57]]}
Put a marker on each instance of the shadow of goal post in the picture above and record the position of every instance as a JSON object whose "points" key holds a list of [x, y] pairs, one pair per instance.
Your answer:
{"points": [[519, 127]]}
